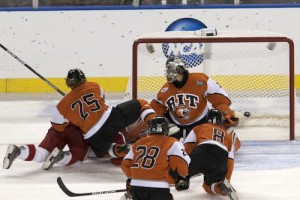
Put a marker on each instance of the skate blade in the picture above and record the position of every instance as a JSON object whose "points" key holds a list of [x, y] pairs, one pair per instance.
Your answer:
{"points": [[6, 163], [233, 195], [48, 163]]}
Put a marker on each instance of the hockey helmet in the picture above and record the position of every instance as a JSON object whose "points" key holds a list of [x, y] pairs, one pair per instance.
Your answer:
{"points": [[74, 78], [174, 66], [159, 125], [215, 116]]}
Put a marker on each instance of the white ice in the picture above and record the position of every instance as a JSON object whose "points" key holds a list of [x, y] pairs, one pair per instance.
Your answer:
{"points": [[267, 169]]}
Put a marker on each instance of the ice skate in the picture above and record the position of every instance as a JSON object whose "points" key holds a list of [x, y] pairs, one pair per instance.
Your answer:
{"points": [[227, 188], [55, 156], [12, 152]]}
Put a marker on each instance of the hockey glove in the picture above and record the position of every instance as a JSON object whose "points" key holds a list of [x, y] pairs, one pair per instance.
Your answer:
{"points": [[182, 183], [229, 115], [234, 121]]}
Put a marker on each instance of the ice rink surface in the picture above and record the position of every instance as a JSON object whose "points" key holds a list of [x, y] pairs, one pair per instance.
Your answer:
{"points": [[267, 164]]}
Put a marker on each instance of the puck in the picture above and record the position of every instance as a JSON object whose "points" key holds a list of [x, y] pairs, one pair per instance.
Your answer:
{"points": [[247, 114]]}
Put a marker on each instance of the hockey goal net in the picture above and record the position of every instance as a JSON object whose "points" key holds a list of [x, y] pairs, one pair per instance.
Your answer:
{"points": [[255, 68]]}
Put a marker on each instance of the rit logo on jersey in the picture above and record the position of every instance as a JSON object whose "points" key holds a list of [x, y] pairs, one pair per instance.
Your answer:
{"points": [[189, 100]]}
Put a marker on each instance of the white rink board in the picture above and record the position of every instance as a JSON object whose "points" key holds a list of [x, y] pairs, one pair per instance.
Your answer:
{"points": [[100, 41]]}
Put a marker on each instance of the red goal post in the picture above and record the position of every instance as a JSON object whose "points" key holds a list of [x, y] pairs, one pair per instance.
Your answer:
{"points": [[256, 69]]}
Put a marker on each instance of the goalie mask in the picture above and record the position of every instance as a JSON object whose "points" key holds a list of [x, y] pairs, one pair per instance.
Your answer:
{"points": [[159, 125], [174, 66], [74, 78], [215, 116]]}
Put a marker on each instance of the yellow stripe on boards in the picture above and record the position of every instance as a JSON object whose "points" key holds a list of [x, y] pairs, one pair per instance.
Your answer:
{"points": [[37, 85], [297, 81], [253, 82], [230, 82], [119, 84]]}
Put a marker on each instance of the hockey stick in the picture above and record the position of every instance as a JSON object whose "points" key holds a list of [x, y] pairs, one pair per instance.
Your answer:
{"points": [[72, 194], [30, 68]]}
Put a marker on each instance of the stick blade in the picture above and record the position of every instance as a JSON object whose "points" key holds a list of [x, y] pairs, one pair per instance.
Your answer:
{"points": [[64, 188], [72, 194]]}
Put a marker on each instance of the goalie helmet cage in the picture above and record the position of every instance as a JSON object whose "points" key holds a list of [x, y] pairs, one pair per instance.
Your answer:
{"points": [[255, 68]]}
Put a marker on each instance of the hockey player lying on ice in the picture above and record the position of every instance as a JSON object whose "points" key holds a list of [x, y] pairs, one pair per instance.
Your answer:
{"points": [[99, 126]]}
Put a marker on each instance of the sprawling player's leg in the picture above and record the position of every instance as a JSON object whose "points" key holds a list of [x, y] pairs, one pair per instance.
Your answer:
{"points": [[55, 156], [72, 137], [30, 152], [58, 156], [78, 149], [121, 116]]}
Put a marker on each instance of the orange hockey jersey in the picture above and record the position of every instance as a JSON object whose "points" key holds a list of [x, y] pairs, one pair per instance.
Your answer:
{"points": [[194, 95], [83, 107], [149, 160], [214, 134], [208, 133]]}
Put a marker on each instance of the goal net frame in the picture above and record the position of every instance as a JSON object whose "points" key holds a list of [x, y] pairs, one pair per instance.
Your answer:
{"points": [[196, 37]]}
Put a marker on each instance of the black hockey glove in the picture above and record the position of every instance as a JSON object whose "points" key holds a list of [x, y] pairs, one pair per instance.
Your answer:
{"points": [[182, 183]]}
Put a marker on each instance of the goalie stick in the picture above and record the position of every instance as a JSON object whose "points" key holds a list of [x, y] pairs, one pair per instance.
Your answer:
{"points": [[31, 69], [72, 194]]}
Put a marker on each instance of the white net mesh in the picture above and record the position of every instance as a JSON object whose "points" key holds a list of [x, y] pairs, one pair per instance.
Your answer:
{"points": [[253, 67]]}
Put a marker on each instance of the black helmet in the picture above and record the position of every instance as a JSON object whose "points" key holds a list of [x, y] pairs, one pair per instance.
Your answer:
{"points": [[159, 125], [74, 78], [215, 116]]}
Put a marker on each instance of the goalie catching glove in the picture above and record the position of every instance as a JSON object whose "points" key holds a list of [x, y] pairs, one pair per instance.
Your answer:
{"points": [[229, 115]]}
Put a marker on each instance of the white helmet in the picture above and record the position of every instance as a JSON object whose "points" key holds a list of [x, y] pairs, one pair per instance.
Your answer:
{"points": [[174, 66]]}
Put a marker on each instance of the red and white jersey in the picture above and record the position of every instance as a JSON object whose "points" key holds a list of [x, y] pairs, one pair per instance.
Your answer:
{"points": [[149, 160], [194, 95], [209, 133], [83, 107]]}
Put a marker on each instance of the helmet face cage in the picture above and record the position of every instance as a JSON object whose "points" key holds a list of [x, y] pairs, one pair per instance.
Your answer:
{"points": [[74, 78], [174, 66], [159, 125], [215, 116]]}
